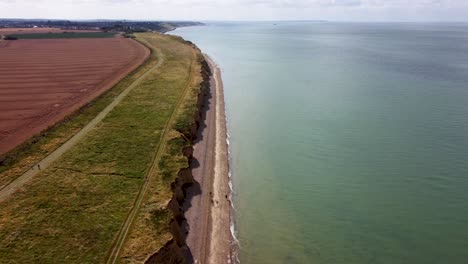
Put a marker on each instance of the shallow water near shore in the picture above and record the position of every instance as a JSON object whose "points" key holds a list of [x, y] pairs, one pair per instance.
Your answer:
{"points": [[349, 142]]}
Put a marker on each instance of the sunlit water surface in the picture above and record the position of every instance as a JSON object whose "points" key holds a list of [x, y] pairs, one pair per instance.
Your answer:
{"points": [[349, 141]]}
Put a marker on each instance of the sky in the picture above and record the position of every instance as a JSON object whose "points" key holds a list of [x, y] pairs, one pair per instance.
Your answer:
{"points": [[243, 10]]}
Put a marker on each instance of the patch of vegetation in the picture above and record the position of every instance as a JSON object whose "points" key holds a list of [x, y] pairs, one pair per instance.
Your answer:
{"points": [[64, 35], [172, 160], [128, 35], [72, 211]]}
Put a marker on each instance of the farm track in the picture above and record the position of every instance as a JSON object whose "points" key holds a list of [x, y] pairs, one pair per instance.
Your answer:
{"points": [[121, 237], [13, 186]]}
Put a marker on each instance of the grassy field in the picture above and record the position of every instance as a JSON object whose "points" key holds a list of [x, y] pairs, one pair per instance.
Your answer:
{"points": [[71, 212], [63, 35]]}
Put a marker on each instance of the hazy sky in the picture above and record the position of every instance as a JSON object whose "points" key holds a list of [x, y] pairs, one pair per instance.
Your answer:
{"points": [[347, 10]]}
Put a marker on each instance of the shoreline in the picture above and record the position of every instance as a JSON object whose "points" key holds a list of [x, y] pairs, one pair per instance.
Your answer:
{"points": [[220, 236], [208, 209]]}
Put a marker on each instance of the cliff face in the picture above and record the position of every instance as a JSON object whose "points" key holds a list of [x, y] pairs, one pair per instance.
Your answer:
{"points": [[173, 250]]}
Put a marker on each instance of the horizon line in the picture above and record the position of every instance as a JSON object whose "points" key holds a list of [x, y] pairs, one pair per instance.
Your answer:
{"points": [[235, 20]]}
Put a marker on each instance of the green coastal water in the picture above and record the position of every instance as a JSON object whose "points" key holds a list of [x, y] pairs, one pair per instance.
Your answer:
{"points": [[349, 142]]}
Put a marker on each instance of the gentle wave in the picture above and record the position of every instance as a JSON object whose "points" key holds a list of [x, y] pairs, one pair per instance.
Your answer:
{"points": [[232, 228]]}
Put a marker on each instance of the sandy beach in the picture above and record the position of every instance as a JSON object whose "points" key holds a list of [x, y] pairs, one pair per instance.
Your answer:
{"points": [[208, 207]]}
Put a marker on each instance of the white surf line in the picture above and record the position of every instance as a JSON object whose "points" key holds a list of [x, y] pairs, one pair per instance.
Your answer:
{"points": [[13, 186]]}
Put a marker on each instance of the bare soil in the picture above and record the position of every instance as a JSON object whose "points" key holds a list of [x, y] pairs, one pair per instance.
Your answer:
{"points": [[43, 81]]}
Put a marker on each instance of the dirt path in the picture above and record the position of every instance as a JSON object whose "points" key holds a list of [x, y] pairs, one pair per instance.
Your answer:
{"points": [[47, 161], [119, 242], [208, 208]]}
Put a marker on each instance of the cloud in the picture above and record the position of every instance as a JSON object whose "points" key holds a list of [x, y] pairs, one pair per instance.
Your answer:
{"points": [[316, 3], [239, 9], [269, 3]]}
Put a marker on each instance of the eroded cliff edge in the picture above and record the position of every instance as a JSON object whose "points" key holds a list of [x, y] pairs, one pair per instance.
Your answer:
{"points": [[174, 249]]}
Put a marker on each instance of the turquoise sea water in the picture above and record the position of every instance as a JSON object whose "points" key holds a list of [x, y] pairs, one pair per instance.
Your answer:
{"points": [[349, 142]]}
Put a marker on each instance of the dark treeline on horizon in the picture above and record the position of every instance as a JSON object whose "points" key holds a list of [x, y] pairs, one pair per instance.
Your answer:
{"points": [[106, 25]]}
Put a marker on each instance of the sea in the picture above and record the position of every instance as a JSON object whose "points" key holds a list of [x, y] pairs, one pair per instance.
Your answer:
{"points": [[348, 141]]}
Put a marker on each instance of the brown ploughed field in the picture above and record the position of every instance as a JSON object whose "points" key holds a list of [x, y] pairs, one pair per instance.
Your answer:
{"points": [[43, 81]]}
